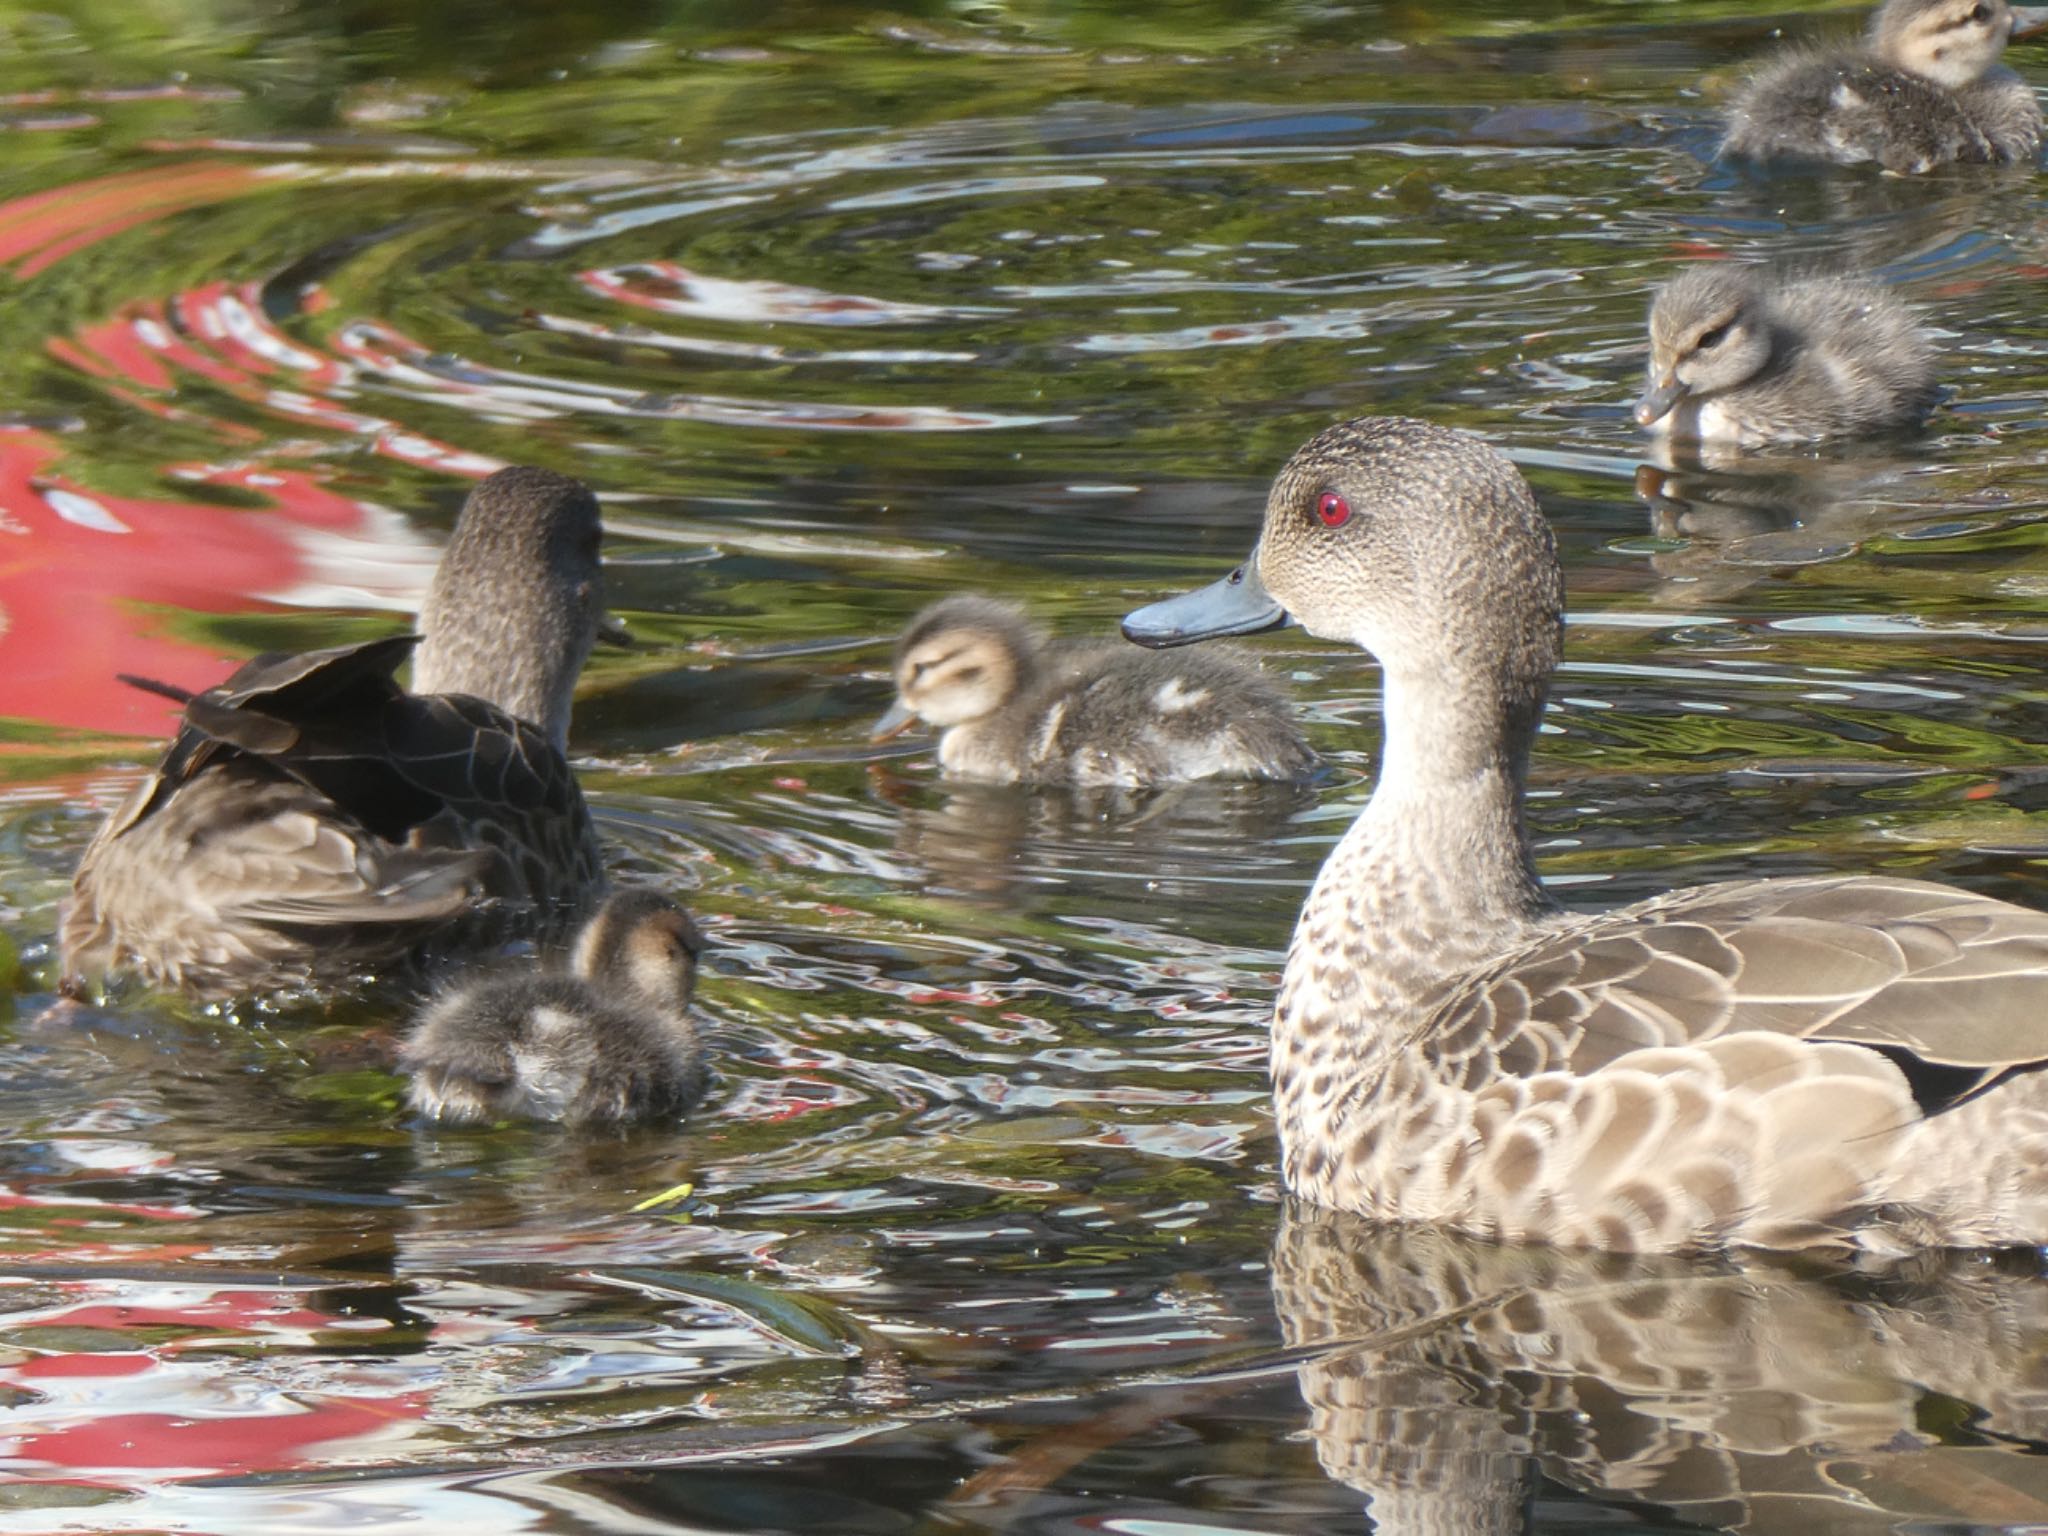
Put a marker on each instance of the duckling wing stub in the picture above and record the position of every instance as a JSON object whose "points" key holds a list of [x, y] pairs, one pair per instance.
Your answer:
{"points": [[1949, 987]]}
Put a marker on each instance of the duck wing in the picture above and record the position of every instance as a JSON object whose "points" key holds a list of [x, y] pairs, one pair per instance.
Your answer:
{"points": [[312, 820], [1951, 987]]}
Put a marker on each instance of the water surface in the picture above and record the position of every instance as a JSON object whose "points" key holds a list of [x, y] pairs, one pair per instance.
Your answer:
{"points": [[843, 309]]}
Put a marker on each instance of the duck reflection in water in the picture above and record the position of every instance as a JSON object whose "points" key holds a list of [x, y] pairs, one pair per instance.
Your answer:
{"points": [[1740, 518], [1745, 1393], [1182, 842]]}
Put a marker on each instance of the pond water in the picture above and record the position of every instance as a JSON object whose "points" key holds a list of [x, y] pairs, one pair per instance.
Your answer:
{"points": [[842, 308]]}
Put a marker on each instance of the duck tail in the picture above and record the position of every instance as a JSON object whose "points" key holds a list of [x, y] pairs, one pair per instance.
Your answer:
{"points": [[169, 691]]}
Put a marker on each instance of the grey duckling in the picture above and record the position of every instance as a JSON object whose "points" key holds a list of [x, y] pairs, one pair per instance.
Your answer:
{"points": [[1924, 88], [1014, 707], [1834, 1062], [608, 1043], [1742, 355], [313, 822]]}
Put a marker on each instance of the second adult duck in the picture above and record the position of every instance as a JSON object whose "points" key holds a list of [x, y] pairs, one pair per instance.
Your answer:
{"points": [[1014, 706], [314, 823]]}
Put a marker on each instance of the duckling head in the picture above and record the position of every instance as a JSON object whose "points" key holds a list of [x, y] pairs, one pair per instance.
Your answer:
{"points": [[1951, 42], [641, 942], [1709, 331], [960, 660], [1421, 544], [516, 603]]}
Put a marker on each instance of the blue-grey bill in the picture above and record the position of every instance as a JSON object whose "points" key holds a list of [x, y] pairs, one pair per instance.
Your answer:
{"points": [[1658, 401], [2029, 19], [1236, 605], [898, 720]]}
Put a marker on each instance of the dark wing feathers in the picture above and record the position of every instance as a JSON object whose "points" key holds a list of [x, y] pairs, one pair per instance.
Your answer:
{"points": [[1950, 987]]}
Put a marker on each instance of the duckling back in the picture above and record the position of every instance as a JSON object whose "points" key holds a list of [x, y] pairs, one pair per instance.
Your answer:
{"points": [[1107, 714], [607, 1043], [548, 1048], [1846, 107]]}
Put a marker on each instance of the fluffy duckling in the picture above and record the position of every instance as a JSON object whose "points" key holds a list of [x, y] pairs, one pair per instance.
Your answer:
{"points": [[1014, 707], [608, 1043], [1924, 88], [1740, 355]]}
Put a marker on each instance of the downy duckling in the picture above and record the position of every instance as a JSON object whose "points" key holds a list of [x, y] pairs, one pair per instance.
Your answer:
{"points": [[1014, 707], [608, 1043], [314, 822], [1847, 1062], [1740, 355], [1924, 88]]}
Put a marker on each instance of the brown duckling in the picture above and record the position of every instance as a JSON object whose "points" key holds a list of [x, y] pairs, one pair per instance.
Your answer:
{"points": [[1924, 88], [1013, 706], [608, 1043]]}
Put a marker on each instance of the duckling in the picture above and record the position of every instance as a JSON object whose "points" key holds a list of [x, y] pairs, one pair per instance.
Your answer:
{"points": [[1833, 1062], [1741, 355], [313, 823], [1014, 707], [1924, 88], [608, 1043]]}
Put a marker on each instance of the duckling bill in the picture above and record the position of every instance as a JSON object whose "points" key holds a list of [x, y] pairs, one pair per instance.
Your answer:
{"points": [[1014, 706], [609, 1042], [1925, 88], [1742, 355]]}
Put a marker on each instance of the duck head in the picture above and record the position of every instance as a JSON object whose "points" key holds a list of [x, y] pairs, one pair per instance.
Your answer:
{"points": [[1421, 544], [960, 660], [1951, 42], [640, 942], [1710, 330]]}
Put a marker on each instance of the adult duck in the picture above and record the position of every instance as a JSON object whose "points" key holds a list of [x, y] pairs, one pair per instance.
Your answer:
{"points": [[314, 823], [1836, 1061]]}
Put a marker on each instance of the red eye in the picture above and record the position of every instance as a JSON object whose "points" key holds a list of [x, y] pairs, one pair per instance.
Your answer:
{"points": [[1333, 509]]}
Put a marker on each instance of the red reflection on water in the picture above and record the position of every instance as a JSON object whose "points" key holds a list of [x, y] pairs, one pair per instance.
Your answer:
{"points": [[179, 1405], [80, 570]]}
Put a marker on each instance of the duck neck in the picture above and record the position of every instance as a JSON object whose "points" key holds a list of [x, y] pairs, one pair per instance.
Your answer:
{"points": [[526, 676], [1434, 877], [1443, 835]]}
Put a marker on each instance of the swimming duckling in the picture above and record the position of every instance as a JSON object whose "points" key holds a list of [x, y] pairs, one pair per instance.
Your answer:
{"points": [[608, 1043], [1741, 355], [1014, 707], [313, 822], [1825, 1061], [1923, 89]]}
